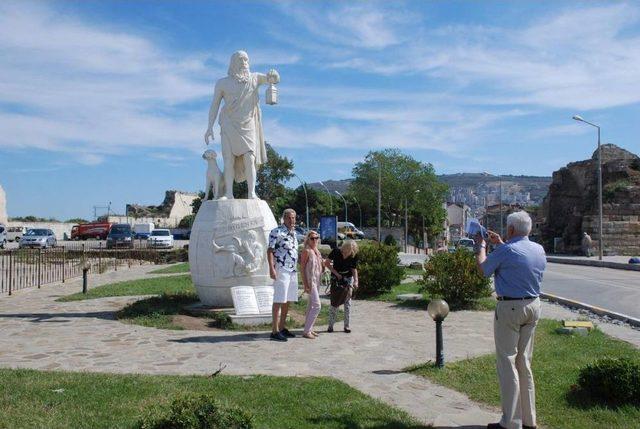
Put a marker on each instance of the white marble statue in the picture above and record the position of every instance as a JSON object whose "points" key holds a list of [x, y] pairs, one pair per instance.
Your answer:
{"points": [[242, 139]]}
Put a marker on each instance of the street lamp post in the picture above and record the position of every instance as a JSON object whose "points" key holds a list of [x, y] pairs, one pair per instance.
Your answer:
{"points": [[306, 198], [346, 217], [600, 241], [330, 197], [424, 244], [501, 215], [406, 224], [379, 196], [438, 309]]}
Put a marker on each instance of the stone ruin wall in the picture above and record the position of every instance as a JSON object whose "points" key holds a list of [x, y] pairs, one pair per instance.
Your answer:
{"points": [[571, 206]]}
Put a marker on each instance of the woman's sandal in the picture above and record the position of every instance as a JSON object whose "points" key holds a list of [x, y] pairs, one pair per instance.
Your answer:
{"points": [[309, 336]]}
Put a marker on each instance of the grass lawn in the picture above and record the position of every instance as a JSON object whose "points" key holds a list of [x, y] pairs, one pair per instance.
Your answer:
{"points": [[153, 286], [556, 364], [32, 399], [181, 267], [413, 271], [171, 296]]}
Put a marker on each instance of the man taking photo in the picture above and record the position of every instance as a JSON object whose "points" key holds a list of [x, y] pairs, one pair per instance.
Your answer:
{"points": [[518, 265]]}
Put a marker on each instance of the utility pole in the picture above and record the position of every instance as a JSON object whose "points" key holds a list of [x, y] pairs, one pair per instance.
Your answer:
{"points": [[501, 220], [379, 196], [406, 224]]}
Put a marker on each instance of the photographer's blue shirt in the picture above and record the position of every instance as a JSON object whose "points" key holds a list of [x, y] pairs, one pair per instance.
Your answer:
{"points": [[518, 266]]}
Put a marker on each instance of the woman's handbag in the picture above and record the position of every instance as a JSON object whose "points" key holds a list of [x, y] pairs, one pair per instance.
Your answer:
{"points": [[340, 290]]}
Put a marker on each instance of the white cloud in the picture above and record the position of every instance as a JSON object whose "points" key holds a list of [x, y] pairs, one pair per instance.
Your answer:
{"points": [[370, 25], [92, 91], [579, 58]]}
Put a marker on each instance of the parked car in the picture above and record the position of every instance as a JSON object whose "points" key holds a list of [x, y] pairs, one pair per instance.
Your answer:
{"points": [[15, 233], [160, 239], [38, 237], [350, 230], [3, 236], [120, 235], [181, 233], [465, 243]]}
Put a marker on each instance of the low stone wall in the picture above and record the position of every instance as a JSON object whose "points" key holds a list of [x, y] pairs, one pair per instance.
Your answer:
{"points": [[621, 231], [58, 228]]}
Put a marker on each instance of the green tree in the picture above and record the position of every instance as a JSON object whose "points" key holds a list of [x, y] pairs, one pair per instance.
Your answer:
{"points": [[319, 204], [404, 180], [187, 221]]}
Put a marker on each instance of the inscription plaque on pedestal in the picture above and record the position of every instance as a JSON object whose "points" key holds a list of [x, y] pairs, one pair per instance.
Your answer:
{"points": [[244, 300], [264, 297]]}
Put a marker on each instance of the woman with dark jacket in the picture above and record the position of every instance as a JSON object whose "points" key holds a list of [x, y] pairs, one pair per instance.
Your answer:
{"points": [[343, 263]]}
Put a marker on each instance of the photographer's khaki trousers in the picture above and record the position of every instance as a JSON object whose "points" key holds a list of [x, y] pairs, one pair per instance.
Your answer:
{"points": [[513, 327]]}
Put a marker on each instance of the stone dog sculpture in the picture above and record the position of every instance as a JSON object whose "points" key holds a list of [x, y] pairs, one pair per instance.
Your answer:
{"points": [[215, 180], [242, 139]]}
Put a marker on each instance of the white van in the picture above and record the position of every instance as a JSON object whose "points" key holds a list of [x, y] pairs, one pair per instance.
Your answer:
{"points": [[3, 236], [350, 230], [15, 233]]}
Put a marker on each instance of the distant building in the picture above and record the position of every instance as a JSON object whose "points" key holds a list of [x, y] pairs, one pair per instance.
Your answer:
{"points": [[457, 216]]}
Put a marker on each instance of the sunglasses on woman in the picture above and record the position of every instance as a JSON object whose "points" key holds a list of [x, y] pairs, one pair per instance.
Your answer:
{"points": [[314, 238]]}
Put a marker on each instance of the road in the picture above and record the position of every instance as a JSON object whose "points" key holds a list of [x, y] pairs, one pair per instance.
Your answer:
{"points": [[615, 290]]}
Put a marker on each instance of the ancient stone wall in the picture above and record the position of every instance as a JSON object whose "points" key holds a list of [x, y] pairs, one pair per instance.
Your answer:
{"points": [[571, 206], [176, 205]]}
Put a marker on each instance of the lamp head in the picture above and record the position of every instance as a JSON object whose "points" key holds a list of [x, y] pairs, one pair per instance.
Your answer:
{"points": [[578, 118], [438, 309]]}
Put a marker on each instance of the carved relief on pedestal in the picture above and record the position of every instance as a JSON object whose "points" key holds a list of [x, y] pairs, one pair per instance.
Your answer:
{"points": [[239, 255]]}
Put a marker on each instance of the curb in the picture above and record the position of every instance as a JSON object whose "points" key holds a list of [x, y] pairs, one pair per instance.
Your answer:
{"points": [[594, 263], [592, 308]]}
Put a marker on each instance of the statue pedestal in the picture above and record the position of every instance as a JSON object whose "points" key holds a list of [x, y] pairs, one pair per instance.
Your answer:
{"points": [[228, 247]]}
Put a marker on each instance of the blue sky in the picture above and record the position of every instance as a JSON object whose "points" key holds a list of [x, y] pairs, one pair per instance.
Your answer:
{"points": [[108, 100]]}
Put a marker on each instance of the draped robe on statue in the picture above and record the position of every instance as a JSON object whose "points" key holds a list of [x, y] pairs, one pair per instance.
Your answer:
{"points": [[241, 123]]}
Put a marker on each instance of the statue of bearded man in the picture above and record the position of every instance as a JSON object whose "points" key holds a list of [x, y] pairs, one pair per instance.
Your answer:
{"points": [[243, 146]]}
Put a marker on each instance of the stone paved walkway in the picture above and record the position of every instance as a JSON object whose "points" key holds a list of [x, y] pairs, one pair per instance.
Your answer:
{"points": [[39, 333]]}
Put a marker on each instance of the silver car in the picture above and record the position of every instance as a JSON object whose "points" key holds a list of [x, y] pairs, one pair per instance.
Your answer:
{"points": [[38, 237]]}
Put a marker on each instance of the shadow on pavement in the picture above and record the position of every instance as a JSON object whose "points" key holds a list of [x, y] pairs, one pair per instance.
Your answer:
{"points": [[48, 317], [249, 336], [387, 372]]}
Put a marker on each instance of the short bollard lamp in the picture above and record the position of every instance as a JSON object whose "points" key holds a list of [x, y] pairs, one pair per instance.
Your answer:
{"points": [[85, 268], [438, 309]]}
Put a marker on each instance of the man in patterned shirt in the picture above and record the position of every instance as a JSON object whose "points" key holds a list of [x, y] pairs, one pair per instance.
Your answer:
{"points": [[283, 257]]}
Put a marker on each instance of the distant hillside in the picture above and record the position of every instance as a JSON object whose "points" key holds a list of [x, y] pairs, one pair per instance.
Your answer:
{"points": [[468, 185], [332, 185]]}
